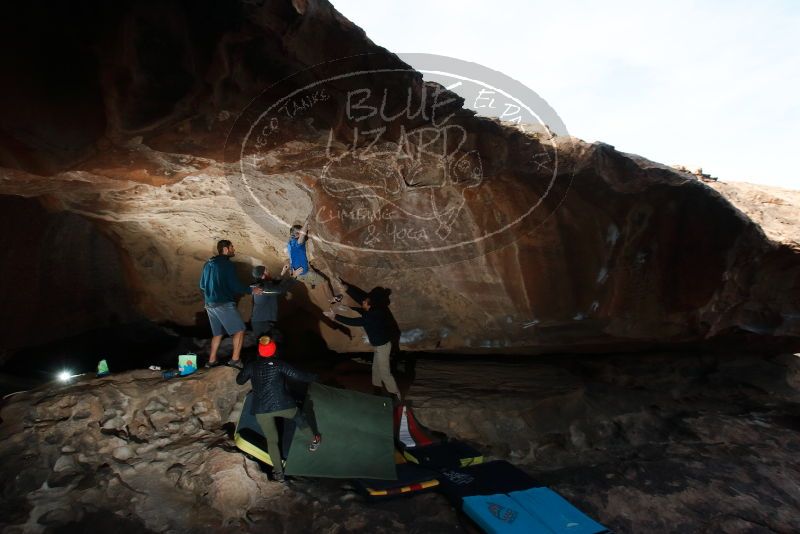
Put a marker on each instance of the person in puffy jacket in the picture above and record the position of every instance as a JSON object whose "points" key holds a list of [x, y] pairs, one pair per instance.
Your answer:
{"points": [[271, 400]]}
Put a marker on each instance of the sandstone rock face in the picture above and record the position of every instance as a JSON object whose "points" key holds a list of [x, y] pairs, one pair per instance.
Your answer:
{"points": [[49, 287], [774, 209], [492, 237]]}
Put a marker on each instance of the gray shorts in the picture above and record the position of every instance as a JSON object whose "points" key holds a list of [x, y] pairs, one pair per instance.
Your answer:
{"points": [[224, 318], [309, 278]]}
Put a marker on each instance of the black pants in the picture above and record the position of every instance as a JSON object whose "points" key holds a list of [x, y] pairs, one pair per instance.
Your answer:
{"points": [[306, 417]]}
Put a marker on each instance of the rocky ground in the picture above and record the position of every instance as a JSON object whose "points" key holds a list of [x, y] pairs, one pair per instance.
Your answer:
{"points": [[655, 443], [642, 442]]}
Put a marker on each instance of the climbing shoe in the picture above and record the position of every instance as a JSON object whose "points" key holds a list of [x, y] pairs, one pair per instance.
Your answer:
{"points": [[314, 445]]}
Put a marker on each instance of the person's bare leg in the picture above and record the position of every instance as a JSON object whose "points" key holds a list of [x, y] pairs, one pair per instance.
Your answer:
{"points": [[337, 286], [215, 341], [333, 282], [238, 341], [337, 291], [327, 288]]}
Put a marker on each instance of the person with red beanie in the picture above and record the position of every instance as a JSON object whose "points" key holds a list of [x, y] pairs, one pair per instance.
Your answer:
{"points": [[271, 400]]}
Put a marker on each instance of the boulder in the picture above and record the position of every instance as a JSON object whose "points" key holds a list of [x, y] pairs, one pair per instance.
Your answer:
{"points": [[182, 124]]}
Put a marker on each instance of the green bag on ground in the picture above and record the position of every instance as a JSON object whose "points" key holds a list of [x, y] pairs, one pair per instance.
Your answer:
{"points": [[357, 437], [187, 364], [102, 368]]}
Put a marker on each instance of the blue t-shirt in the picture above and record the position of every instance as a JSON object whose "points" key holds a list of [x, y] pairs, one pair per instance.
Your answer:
{"points": [[297, 255]]}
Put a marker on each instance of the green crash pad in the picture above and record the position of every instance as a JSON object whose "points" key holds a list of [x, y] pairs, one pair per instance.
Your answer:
{"points": [[357, 437]]}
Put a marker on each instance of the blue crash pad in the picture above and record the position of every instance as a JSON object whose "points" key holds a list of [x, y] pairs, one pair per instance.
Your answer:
{"points": [[500, 514], [534, 511], [554, 511]]}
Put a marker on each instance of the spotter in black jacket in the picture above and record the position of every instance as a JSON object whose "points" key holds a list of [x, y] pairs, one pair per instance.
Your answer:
{"points": [[269, 386]]}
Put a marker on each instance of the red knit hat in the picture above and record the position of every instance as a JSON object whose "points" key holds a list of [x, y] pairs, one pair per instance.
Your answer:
{"points": [[266, 347]]}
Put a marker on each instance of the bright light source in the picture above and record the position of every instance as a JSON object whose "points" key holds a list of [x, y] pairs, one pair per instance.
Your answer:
{"points": [[64, 376]]}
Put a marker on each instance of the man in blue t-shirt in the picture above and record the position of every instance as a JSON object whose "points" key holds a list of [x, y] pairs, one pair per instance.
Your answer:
{"points": [[220, 288], [298, 258], [299, 266]]}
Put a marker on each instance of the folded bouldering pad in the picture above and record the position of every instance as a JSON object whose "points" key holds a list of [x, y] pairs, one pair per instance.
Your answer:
{"points": [[556, 512], [535, 510], [357, 437], [408, 431], [487, 478], [500, 514], [411, 478], [452, 453], [248, 436]]}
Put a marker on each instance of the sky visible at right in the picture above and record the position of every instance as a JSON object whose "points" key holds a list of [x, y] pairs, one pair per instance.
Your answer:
{"points": [[710, 84]]}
